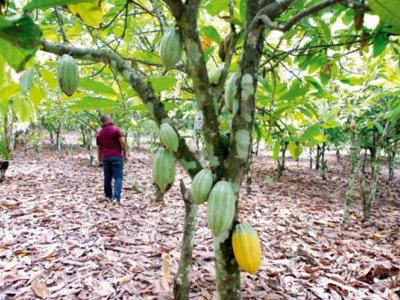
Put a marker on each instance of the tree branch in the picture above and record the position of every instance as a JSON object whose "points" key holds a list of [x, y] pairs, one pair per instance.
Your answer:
{"points": [[176, 7], [144, 90], [297, 18]]}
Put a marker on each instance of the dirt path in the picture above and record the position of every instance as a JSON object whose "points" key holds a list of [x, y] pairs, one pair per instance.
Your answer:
{"points": [[59, 239]]}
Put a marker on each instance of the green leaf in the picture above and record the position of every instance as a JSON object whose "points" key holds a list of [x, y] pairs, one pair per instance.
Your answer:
{"points": [[277, 148], [269, 180], [379, 127], [9, 91], [49, 78], [214, 7], [243, 10], [36, 95], [350, 80], [26, 80], [96, 86], [380, 43], [162, 83], [43, 4], [22, 32], [295, 151], [310, 132], [21, 109], [326, 30], [387, 10], [92, 103], [211, 32]]}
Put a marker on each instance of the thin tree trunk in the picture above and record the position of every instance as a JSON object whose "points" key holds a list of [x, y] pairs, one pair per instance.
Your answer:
{"points": [[281, 163], [375, 179], [349, 193], [311, 157], [365, 160], [323, 162], [392, 156], [318, 158], [182, 277]]}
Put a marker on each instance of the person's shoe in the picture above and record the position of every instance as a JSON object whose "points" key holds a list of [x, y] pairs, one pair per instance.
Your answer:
{"points": [[116, 201]]}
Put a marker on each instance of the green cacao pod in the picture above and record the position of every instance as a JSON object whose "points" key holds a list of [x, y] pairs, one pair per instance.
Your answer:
{"points": [[246, 247], [201, 185], [169, 137], [171, 48], [214, 75], [225, 139], [68, 74], [163, 169], [230, 92], [220, 208]]}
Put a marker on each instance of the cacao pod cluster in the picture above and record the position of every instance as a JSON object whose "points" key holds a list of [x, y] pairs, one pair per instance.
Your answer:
{"points": [[68, 75], [171, 48]]}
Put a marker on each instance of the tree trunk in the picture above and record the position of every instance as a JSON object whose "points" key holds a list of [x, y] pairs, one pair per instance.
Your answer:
{"points": [[182, 277], [226, 268], [323, 162], [281, 163], [311, 157], [318, 158], [349, 193], [367, 208], [392, 156]]}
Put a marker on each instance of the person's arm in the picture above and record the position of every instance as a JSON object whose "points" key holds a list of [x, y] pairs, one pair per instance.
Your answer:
{"points": [[123, 147], [99, 155]]}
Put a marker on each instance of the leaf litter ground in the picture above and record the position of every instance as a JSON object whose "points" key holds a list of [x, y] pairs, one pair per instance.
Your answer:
{"points": [[60, 239]]}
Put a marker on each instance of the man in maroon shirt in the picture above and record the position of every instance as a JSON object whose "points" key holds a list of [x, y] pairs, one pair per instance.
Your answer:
{"points": [[111, 151]]}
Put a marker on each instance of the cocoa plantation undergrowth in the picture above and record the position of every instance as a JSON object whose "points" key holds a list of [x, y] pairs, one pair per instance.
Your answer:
{"points": [[60, 239]]}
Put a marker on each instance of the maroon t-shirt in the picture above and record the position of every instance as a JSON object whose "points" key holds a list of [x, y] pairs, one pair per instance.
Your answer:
{"points": [[108, 139]]}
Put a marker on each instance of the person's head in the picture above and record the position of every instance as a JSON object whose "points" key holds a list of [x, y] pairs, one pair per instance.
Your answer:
{"points": [[106, 119]]}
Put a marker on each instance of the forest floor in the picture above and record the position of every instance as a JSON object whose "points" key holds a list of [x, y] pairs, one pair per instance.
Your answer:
{"points": [[60, 239]]}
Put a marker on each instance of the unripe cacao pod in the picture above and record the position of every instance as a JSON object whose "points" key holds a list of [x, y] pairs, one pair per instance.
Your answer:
{"points": [[68, 74], [225, 139], [246, 247], [230, 92], [169, 137], [163, 169], [220, 208], [214, 75], [201, 185], [171, 48]]}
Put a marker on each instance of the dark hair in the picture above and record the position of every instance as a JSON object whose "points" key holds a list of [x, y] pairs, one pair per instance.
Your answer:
{"points": [[105, 118]]}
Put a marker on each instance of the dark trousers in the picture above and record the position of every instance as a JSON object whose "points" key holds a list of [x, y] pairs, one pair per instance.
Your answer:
{"points": [[112, 167]]}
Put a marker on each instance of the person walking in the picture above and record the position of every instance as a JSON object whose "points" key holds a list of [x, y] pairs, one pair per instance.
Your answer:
{"points": [[111, 150]]}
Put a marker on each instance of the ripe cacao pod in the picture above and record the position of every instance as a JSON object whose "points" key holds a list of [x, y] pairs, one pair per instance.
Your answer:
{"points": [[214, 75], [68, 74], [169, 137], [230, 92], [171, 48], [246, 247], [220, 208], [163, 169], [201, 185]]}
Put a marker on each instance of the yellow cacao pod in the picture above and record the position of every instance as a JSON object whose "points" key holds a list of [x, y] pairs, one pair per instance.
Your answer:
{"points": [[68, 74], [171, 48], [246, 247]]}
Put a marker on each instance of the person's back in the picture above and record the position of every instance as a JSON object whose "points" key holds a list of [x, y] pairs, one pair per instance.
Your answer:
{"points": [[108, 138], [111, 153]]}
